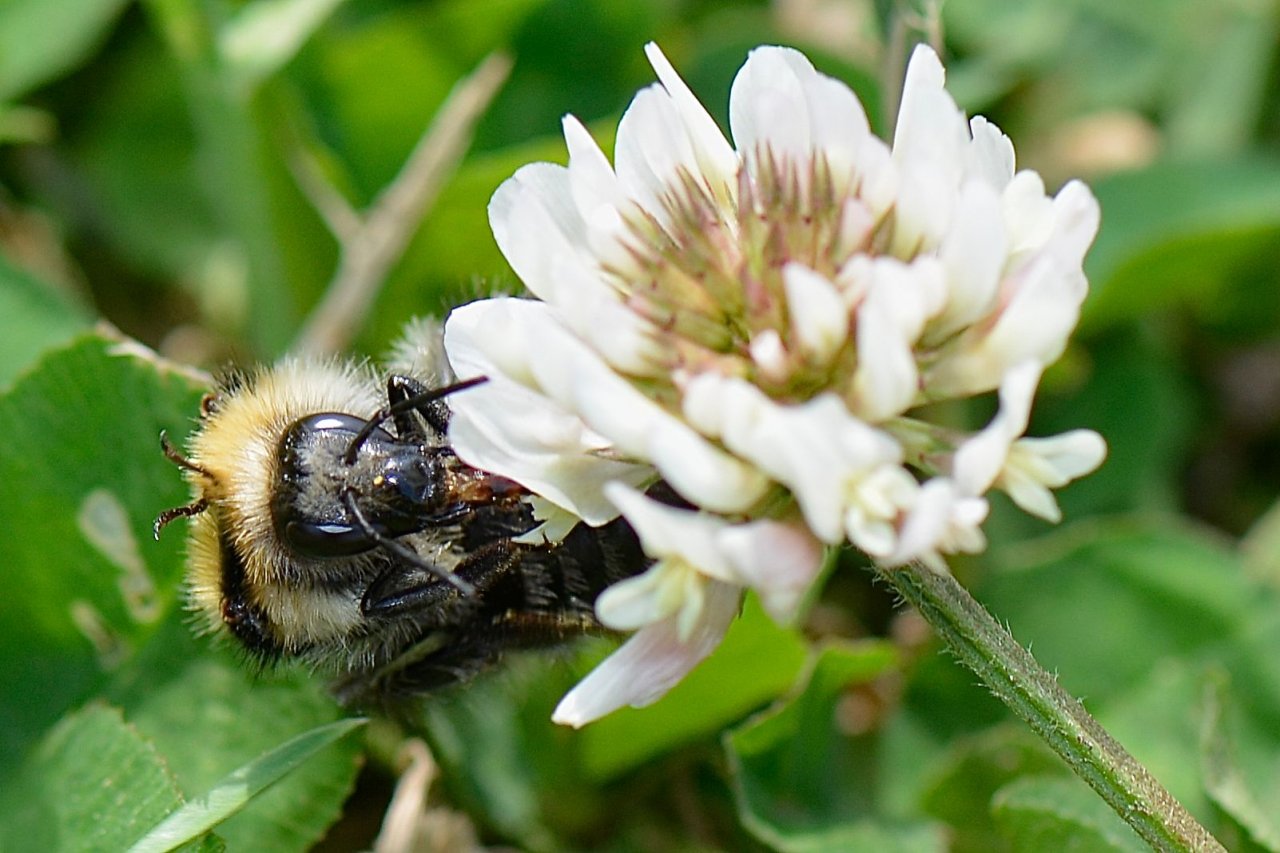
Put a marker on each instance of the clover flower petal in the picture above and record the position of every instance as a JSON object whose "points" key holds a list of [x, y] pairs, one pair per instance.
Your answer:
{"points": [[778, 559], [650, 663], [1036, 465]]}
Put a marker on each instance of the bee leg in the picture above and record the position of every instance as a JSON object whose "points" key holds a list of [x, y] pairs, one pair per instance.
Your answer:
{"points": [[533, 628], [448, 657], [451, 658], [392, 594], [434, 412], [401, 403], [393, 547], [442, 659], [397, 592]]}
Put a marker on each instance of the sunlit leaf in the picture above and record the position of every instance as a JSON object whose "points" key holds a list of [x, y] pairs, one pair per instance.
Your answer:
{"points": [[232, 793], [92, 783], [208, 714]]}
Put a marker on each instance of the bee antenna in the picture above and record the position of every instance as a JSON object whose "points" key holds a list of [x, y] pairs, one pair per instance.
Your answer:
{"points": [[162, 520], [408, 404], [175, 456], [195, 507], [407, 554]]}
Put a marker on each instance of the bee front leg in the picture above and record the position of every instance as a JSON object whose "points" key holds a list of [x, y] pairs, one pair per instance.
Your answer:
{"points": [[434, 412], [402, 590]]}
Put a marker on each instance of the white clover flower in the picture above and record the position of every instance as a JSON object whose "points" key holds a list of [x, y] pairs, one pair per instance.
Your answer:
{"points": [[684, 603], [754, 323]]}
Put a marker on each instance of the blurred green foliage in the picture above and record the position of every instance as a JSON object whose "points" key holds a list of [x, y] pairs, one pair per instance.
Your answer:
{"points": [[149, 179]]}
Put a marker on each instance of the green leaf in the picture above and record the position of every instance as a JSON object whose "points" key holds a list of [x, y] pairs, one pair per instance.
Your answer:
{"points": [[208, 713], [1254, 666], [1218, 95], [370, 88], [802, 784], [1160, 588], [1158, 720], [100, 604], [139, 192], [270, 252], [81, 480], [235, 791], [92, 783], [1182, 233], [1201, 67], [26, 125], [961, 786], [882, 837], [33, 318], [1226, 776], [1060, 813], [1116, 51], [454, 250], [583, 57], [469, 30], [756, 662], [1260, 547], [1127, 374], [495, 739], [1131, 375], [42, 39]]}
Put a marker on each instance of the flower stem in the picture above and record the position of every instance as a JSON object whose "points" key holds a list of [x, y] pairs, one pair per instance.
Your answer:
{"points": [[1009, 670]]}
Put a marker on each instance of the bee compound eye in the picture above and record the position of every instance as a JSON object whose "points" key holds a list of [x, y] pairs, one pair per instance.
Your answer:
{"points": [[324, 539]]}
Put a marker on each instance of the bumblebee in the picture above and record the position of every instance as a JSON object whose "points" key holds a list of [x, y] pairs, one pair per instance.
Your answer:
{"points": [[332, 523]]}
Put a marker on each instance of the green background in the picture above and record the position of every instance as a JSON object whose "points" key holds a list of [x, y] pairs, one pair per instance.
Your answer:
{"points": [[149, 193]]}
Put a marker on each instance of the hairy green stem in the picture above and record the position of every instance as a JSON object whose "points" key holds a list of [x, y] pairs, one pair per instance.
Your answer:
{"points": [[982, 644]]}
